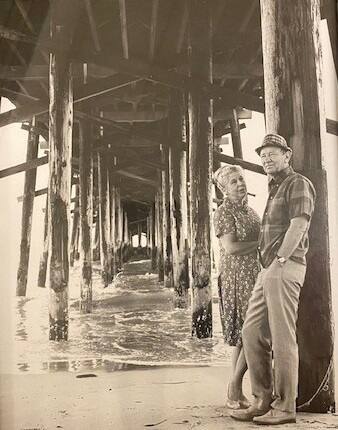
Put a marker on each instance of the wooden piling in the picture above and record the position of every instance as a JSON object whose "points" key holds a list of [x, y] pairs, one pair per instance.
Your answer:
{"points": [[167, 259], [159, 234], [119, 228], [60, 141], [96, 246], [153, 238], [44, 256], [178, 199], [75, 228], [294, 108], [113, 225], [86, 215], [200, 152], [27, 213], [105, 251]]}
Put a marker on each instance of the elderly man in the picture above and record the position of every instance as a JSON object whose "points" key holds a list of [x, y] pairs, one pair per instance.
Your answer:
{"points": [[270, 323]]}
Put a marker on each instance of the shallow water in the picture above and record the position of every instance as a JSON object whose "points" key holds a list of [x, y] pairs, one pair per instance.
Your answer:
{"points": [[134, 323]]}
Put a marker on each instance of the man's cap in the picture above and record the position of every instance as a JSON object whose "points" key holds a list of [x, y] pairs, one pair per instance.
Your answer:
{"points": [[273, 139]]}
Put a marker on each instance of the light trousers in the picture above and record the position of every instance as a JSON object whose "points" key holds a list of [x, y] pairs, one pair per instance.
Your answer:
{"points": [[270, 328]]}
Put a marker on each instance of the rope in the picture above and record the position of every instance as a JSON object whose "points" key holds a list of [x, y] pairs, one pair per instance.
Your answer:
{"points": [[322, 386]]}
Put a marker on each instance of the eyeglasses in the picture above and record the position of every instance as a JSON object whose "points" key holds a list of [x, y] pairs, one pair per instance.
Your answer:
{"points": [[270, 155]]}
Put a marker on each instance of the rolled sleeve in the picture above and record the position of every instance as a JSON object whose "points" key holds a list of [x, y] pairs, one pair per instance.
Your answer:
{"points": [[224, 222], [301, 198]]}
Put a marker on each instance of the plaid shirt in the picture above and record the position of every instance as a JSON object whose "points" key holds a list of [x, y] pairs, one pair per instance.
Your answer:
{"points": [[291, 195]]}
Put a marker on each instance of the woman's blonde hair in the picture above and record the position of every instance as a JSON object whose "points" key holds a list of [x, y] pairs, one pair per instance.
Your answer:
{"points": [[221, 176]]}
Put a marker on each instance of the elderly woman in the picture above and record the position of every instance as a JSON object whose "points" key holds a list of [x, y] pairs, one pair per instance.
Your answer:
{"points": [[237, 227]]}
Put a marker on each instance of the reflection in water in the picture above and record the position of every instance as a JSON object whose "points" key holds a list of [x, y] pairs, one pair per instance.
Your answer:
{"points": [[134, 323]]}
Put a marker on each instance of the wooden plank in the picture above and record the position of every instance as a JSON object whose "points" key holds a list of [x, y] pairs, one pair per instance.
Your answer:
{"points": [[24, 167], [135, 177], [200, 153], [86, 216], [27, 214], [61, 122], [298, 78], [124, 28]]}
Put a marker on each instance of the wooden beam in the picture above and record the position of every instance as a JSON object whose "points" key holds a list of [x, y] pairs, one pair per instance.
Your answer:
{"points": [[22, 8], [124, 28], [24, 167], [153, 29], [86, 92], [92, 25], [138, 178], [245, 164]]}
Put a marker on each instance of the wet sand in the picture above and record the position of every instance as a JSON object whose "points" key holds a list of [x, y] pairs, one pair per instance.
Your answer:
{"points": [[164, 398]]}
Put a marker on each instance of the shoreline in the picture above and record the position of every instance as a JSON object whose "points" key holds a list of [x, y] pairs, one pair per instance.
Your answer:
{"points": [[164, 398]]}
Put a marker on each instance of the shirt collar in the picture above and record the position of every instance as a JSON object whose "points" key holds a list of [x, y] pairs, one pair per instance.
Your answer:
{"points": [[236, 205], [280, 177]]}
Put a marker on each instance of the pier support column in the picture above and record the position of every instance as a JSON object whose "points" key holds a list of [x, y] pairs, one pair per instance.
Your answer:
{"points": [[60, 141], [159, 235], [153, 237], [113, 238], [44, 257], [27, 212], [200, 152], [167, 263], [86, 216], [105, 252], [178, 198], [75, 228], [294, 109]]}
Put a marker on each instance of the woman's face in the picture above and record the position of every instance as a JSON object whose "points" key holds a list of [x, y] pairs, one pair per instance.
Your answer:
{"points": [[236, 186]]}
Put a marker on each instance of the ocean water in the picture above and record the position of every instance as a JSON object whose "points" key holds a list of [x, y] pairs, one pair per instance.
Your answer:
{"points": [[134, 323]]}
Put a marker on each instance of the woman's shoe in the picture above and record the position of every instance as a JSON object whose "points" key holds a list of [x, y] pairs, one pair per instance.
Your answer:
{"points": [[242, 403]]}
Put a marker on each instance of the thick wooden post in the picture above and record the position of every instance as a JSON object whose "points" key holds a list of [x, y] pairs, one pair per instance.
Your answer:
{"points": [[60, 141], [75, 228], [96, 246], [119, 228], [86, 215], [167, 259], [200, 151], [113, 225], [159, 234], [178, 199], [294, 108], [104, 220], [153, 238], [236, 134], [44, 257], [126, 244], [27, 213]]}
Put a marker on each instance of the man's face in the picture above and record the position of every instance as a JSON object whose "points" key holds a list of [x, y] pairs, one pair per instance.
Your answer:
{"points": [[274, 160]]}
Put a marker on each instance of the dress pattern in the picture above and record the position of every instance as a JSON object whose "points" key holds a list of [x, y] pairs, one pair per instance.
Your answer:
{"points": [[237, 273]]}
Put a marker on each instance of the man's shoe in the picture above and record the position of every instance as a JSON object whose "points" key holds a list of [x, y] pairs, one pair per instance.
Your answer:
{"points": [[274, 417], [248, 414]]}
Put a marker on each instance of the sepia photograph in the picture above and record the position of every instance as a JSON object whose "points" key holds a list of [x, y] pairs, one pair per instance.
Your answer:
{"points": [[169, 214]]}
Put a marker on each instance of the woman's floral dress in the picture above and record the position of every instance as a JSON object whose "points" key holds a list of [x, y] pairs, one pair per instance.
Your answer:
{"points": [[238, 273]]}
